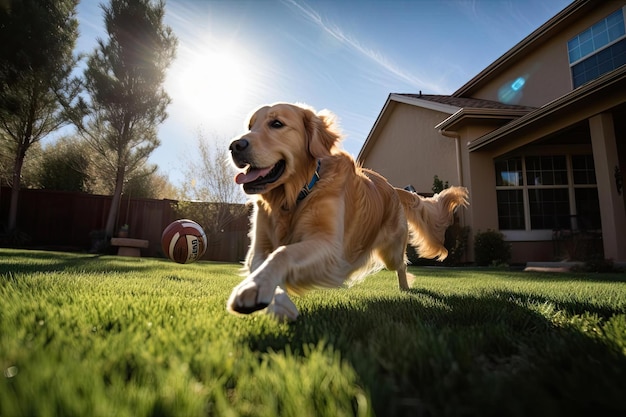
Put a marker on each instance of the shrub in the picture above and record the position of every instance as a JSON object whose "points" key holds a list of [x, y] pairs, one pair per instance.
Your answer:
{"points": [[456, 243], [491, 249], [439, 185], [597, 264]]}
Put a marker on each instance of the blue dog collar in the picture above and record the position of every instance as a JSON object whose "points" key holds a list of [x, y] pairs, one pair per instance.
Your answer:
{"points": [[307, 188]]}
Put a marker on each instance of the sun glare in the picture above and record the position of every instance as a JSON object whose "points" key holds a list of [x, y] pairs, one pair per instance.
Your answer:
{"points": [[211, 83]]}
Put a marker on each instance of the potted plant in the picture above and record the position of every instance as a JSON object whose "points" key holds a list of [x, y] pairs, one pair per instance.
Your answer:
{"points": [[123, 232]]}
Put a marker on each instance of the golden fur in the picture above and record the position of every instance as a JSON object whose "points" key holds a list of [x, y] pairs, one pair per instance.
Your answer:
{"points": [[352, 221]]}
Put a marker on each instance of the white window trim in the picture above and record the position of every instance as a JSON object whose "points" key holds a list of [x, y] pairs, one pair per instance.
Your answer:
{"points": [[596, 51], [534, 235], [527, 235]]}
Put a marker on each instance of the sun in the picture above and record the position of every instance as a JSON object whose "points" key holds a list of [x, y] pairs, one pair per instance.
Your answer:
{"points": [[211, 82]]}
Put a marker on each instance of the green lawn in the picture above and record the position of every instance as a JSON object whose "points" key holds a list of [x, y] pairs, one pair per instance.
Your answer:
{"points": [[85, 335]]}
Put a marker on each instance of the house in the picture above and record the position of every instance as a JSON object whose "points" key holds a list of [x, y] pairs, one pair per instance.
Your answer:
{"points": [[538, 137]]}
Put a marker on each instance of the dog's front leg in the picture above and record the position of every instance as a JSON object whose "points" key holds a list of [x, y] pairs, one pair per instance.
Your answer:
{"points": [[257, 291], [282, 307]]}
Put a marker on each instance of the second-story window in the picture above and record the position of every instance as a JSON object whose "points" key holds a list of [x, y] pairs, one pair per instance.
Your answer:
{"points": [[598, 49]]}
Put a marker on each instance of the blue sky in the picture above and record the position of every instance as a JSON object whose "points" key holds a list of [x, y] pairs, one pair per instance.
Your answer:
{"points": [[344, 56]]}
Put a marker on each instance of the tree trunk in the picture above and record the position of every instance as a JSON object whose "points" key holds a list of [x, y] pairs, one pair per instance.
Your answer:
{"points": [[115, 202], [23, 143], [15, 189]]}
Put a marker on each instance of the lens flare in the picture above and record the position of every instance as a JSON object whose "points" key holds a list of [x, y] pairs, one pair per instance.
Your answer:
{"points": [[512, 91]]}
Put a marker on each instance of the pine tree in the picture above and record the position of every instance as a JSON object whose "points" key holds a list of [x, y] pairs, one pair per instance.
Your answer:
{"points": [[36, 62], [124, 82]]}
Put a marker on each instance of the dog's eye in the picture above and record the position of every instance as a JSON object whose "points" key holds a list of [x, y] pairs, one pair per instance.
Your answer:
{"points": [[276, 124]]}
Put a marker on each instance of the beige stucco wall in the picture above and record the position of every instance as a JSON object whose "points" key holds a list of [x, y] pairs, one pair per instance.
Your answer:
{"points": [[410, 151], [546, 67], [546, 72]]}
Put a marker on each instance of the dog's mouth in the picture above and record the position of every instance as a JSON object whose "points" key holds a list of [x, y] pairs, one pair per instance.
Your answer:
{"points": [[255, 179]]}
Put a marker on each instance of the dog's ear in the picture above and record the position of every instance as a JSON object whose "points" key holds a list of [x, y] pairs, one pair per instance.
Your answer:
{"points": [[322, 134]]}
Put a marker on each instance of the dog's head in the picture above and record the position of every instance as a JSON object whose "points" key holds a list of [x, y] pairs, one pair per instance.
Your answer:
{"points": [[283, 142]]}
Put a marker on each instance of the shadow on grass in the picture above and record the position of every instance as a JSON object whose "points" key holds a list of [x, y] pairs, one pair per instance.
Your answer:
{"points": [[508, 299], [27, 262], [432, 354], [519, 275]]}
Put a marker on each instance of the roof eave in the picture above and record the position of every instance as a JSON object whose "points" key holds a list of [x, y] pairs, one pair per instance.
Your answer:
{"points": [[608, 82], [382, 115], [427, 104], [469, 113]]}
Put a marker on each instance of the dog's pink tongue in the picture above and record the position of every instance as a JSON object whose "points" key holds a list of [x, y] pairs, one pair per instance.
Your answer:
{"points": [[251, 175]]}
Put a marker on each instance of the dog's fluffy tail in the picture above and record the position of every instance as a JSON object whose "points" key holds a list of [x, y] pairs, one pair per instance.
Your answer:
{"points": [[429, 217]]}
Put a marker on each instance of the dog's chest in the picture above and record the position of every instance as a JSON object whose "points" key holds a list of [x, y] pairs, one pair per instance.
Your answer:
{"points": [[284, 229]]}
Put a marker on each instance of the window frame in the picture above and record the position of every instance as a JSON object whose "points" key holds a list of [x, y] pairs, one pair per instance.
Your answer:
{"points": [[529, 234], [601, 48], [595, 51]]}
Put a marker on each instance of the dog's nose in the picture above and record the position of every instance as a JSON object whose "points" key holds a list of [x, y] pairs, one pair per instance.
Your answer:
{"points": [[239, 145]]}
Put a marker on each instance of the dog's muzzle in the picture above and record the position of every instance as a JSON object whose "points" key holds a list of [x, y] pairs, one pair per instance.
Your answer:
{"points": [[255, 178], [239, 151]]}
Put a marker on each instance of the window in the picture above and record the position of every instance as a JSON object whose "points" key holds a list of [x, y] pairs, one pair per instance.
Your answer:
{"points": [[547, 192], [583, 170], [549, 208], [599, 49], [586, 193], [509, 172], [510, 209], [588, 209], [546, 170], [510, 201]]}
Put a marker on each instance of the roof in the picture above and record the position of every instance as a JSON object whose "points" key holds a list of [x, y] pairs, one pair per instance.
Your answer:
{"points": [[459, 109], [607, 89], [471, 109], [462, 102]]}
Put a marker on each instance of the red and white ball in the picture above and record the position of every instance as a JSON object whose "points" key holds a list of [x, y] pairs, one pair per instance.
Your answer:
{"points": [[184, 241]]}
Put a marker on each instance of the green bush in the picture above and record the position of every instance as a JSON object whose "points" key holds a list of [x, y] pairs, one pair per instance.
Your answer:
{"points": [[598, 265], [491, 249], [456, 243], [439, 185]]}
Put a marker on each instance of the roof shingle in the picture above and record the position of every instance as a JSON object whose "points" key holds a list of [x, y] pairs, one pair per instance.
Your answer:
{"points": [[464, 102]]}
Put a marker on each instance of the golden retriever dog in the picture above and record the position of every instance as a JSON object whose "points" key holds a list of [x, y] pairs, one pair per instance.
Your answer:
{"points": [[320, 219]]}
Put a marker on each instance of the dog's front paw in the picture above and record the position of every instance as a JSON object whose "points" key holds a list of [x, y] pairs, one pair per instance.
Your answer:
{"points": [[282, 308], [250, 296], [244, 298]]}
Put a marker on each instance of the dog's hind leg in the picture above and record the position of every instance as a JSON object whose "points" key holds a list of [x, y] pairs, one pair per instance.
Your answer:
{"points": [[405, 279], [393, 255]]}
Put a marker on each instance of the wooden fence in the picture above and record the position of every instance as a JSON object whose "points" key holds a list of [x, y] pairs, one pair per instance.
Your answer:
{"points": [[70, 221]]}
